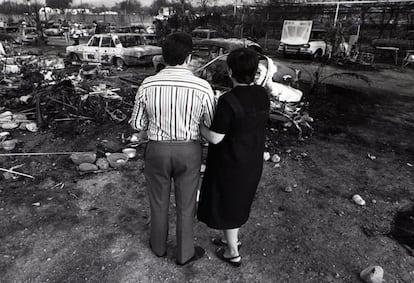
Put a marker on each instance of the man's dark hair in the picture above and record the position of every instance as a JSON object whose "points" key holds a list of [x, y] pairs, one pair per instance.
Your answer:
{"points": [[243, 64], [176, 48]]}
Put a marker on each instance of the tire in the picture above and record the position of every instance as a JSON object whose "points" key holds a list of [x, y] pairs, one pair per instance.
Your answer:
{"points": [[318, 54], [118, 62], [74, 57]]}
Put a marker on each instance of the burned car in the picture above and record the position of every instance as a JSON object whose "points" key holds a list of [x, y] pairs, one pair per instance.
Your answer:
{"points": [[119, 49], [54, 29], [209, 61], [29, 35]]}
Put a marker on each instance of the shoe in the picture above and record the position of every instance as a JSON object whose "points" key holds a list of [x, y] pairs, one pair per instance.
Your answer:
{"points": [[219, 242], [163, 255], [198, 253], [220, 255]]}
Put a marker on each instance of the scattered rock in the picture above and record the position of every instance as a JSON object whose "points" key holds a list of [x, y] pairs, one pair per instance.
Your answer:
{"points": [[102, 164], [372, 274], [358, 200], [276, 158], [117, 160], [83, 157], [9, 125], [87, 167]]}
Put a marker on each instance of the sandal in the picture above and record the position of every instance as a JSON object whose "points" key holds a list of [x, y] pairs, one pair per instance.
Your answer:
{"points": [[219, 242], [220, 255]]}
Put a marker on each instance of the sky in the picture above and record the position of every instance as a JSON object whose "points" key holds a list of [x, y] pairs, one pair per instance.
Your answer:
{"points": [[143, 2], [110, 3]]}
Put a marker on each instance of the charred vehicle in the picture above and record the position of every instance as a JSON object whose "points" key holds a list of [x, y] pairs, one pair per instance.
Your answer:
{"points": [[119, 49]]}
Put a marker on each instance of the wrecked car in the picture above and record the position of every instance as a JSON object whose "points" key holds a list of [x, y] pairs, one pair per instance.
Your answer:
{"points": [[118, 49], [300, 38], [54, 30], [29, 35]]}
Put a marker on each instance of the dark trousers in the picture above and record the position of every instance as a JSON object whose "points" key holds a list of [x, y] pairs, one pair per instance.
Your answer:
{"points": [[164, 162]]}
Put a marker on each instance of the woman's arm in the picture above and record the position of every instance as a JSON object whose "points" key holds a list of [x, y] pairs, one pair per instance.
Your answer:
{"points": [[209, 135]]}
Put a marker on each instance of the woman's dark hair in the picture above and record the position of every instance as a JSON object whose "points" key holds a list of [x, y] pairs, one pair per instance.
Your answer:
{"points": [[243, 64], [176, 48]]}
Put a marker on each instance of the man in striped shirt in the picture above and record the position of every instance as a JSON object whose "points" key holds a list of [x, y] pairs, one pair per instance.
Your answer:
{"points": [[170, 106]]}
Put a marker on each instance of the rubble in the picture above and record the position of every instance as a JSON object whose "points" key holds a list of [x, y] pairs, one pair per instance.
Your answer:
{"points": [[358, 200], [75, 93], [130, 152], [117, 160], [372, 274], [275, 158]]}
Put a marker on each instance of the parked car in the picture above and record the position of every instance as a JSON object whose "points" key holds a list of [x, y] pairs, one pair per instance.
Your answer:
{"points": [[119, 49], [317, 46], [54, 30], [207, 49], [29, 35], [404, 43], [130, 29], [204, 33]]}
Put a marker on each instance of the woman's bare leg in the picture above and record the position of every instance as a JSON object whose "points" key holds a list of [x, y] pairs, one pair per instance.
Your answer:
{"points": [[231, 236]]}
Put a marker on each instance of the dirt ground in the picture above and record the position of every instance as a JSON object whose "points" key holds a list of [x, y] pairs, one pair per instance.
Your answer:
{"points": [[66, 227]]}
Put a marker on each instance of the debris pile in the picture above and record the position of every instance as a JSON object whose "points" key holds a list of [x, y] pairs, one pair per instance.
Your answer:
{"points": [[54, 93]]}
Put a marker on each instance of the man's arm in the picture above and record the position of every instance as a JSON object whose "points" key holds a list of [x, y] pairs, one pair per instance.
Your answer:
{"points": [[139, 118], [209, 108]]}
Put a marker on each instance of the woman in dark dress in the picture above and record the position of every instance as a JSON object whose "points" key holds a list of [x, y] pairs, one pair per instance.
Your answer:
{"points": [[235, 155]]}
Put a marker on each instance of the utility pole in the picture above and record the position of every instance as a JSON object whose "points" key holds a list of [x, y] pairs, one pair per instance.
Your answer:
{"points": [[336, 13]]}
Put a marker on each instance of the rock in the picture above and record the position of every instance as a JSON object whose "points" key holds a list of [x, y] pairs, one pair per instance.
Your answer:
{"points": [[87, 167], [32, 127], [266, 156], [9, 144], [276, 158], [117, 160], [372, 274], [288, 189], [102, 164], [9, 125], [358, 200], [83, 157]]}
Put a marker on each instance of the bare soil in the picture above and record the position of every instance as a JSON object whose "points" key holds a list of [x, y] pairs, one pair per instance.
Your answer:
{"points": [[66, 227]]}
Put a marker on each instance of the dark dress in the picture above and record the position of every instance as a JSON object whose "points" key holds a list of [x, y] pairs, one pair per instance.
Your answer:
{"points": [[234, 166]]}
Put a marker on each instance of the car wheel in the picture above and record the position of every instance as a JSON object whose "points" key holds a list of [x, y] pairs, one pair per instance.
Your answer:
{"points": [[318, 54], [119, 62], [74, 57]]}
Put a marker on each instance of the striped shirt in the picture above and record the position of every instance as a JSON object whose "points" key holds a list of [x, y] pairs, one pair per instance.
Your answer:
{"points": [[171, 104]]}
